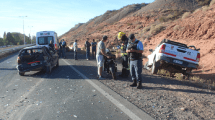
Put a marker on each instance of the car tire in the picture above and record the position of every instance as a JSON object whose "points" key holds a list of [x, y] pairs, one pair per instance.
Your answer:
{"points": [[155, 67], [21, 73], [57, 65], [146, 66], [48, 69]]}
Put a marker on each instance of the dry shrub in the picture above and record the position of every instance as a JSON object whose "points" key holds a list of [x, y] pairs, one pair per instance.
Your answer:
{"points": [[203, 2], [162, 19], [185, 15], [212, 2], [139, 27], [205, 8], [197, 10], [177, 27], [120, 26], [170, 16], [146, 29], [155, 29], [129, 24]]}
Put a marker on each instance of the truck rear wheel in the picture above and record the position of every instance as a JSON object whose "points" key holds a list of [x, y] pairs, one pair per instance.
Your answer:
{"points": [[21, 73], [155, 67]]}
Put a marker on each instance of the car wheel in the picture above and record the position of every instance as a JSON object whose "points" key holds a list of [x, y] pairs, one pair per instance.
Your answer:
{"points": [[146, 66], [57, 63], [155, 67], [21, 73], [48, 69]]}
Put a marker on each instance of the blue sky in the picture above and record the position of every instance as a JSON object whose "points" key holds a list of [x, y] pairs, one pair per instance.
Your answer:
{"points": [[55, 15]]}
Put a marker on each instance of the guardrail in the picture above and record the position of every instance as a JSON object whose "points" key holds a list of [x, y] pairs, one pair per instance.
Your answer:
{"points": [[6, 52]]}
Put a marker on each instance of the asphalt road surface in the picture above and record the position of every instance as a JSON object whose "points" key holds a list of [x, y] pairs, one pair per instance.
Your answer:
{"points": [[65, 94]]}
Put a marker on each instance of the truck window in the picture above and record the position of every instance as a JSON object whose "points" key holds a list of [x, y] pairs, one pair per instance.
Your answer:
{"points": [[45, 40]]}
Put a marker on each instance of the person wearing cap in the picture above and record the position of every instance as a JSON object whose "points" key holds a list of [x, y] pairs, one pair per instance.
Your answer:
{"points": [[75, 47], [87, 46], [93, 48], [135, 50], [101, 52], [124, 41]]}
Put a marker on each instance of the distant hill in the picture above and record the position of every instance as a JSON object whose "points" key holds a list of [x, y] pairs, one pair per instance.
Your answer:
{"points": [[110, 17], [188, 5]]}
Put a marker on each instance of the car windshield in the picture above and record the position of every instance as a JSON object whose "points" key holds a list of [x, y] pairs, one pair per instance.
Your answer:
{"points": [[45, 40]]}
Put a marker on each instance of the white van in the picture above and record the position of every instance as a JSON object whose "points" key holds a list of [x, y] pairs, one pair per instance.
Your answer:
{"points": [[43, 38]]}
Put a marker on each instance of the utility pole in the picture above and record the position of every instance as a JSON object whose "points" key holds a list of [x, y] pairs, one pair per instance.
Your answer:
{"points": [[30, 32], [23, 27]]}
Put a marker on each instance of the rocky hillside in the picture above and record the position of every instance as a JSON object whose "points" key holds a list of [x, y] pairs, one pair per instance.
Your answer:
{"points": [[180, 20]]}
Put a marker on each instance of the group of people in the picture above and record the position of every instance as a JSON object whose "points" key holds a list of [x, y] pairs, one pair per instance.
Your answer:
{"points": [[131, 53], [62, 46], [87, 47]]}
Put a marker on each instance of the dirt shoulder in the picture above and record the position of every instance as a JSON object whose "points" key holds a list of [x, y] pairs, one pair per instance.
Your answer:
{"points": [[160, 97]]}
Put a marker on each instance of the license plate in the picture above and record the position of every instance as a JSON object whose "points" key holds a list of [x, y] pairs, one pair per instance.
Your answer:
{"points": [[34, 64], [178, 61]]}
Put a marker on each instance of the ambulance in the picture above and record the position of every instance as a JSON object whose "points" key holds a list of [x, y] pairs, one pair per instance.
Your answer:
{"points": [[43, 38]]}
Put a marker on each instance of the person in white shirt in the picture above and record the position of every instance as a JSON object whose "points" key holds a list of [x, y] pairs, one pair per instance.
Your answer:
{"points": [[75, 47], [100, 56]]}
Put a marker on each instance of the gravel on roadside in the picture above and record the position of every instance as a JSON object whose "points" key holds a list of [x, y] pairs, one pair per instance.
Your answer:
{"points": [[160, 97]]}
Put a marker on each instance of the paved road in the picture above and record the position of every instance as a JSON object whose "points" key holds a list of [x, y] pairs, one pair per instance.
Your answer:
{"points": [[61, 95]]}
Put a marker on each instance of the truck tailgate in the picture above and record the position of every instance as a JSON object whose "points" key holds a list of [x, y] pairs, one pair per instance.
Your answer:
{"points": [[181, 53]]}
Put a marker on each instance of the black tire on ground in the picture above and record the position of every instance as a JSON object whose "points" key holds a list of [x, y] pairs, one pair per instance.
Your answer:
{"points": [[57, 65], [21, 73], [155, 67], [48, 69]]}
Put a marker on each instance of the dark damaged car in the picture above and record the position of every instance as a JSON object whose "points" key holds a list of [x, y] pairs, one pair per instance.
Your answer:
{"points": [[37, 58]]}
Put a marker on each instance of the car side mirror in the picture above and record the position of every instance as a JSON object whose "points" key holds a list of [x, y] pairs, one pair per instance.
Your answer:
{"points": [[151, 50]]}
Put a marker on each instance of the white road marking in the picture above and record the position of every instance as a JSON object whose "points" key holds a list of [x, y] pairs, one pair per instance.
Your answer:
{"points": [[109, 97]]}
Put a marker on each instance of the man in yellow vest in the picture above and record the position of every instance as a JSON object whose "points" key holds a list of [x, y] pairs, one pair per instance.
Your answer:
{"points": [[125, 66]]}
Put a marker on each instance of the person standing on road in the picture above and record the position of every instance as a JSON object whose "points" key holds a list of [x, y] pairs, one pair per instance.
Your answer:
{"points": [[51, 45], [93, 48], [60, 50], [125, 67], [63, 48], [135, 50], [75, 47], [87, 46], [100, 56]]}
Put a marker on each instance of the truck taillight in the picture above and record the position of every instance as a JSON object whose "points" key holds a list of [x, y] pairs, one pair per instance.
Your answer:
{"points": [[162, 49], [198, 57], [18, 60]]}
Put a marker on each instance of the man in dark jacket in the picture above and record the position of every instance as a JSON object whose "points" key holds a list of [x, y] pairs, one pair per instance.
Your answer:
{"points": [[63, 48], [93, 48], [60, 50], [51, 45], [135, 50], [87, 46]]}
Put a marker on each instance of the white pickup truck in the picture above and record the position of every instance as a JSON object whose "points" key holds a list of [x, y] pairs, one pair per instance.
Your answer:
{"points": [[174, 57]]}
